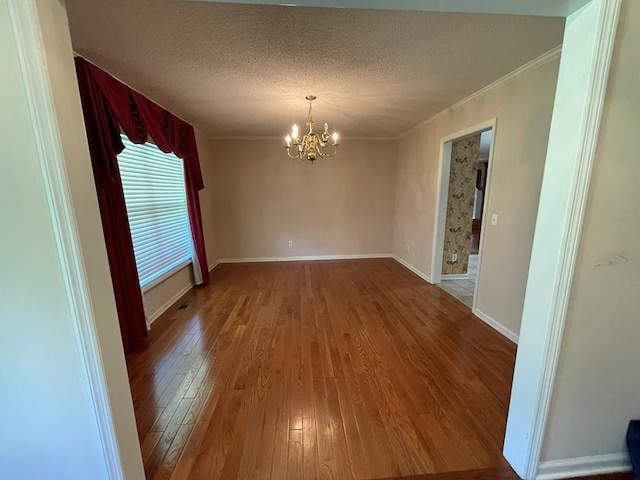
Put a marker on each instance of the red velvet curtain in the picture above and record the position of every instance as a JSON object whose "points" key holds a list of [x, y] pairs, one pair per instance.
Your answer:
{"points": [[109, 107]]}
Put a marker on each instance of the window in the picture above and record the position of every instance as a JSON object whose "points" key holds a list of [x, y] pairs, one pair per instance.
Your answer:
{"points": [[154, 192]]}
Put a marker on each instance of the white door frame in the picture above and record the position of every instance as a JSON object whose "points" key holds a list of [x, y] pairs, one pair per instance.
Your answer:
{"points": [[442, 194], [582, 84]]}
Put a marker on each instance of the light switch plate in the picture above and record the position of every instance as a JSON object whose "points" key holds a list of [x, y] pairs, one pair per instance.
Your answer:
{"points": [[494, 219]]}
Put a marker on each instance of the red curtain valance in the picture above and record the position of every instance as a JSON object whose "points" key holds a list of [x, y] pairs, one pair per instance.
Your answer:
{"points": [[110, 107]]}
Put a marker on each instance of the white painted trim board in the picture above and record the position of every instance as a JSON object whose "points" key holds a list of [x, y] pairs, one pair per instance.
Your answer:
{"points": [[584, 466], [442, 193], [582, 82], [413, 269], [496, 325], [27, 33], [167, 305]]}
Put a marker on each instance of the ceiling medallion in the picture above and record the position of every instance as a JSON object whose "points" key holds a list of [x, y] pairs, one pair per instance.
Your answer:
{"points": [[311, 145]]}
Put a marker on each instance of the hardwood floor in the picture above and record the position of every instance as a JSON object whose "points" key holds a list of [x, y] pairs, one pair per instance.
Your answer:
{"points": [[332, 369]]}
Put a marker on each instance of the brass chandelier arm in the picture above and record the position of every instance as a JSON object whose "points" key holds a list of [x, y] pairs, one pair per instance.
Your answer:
{"points": [[289, 153], [332, 154], [311, 145]]}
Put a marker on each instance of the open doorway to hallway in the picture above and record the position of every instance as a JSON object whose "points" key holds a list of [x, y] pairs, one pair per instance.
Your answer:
{"points": [[464, 180]]}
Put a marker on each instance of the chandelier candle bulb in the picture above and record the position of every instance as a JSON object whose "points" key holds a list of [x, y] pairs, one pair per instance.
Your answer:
{"points": [[311, 145]]}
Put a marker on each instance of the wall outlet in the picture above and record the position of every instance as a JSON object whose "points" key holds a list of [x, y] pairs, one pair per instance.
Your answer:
{"points": [[454, 257], [494, 219], [408, 248], [291, 243]]}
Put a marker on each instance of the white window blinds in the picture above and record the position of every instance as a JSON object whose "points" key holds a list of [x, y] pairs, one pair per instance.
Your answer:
{"points": [[154, 192]]}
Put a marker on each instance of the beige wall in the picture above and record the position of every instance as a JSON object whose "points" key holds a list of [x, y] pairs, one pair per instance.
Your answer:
{"points": [[207, 198], [523, 109], [260, 199], [161, 296], [597, 387], [42, 369]]}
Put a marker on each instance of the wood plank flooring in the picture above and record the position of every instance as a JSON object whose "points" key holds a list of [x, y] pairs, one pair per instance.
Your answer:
{"points": [[321, 370]]}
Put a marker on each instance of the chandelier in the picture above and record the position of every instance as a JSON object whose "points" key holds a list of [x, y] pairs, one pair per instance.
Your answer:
{"points": [[311, 145]]}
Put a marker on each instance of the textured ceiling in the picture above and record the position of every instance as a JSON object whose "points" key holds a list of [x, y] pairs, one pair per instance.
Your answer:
{"points": [[244, 70]]}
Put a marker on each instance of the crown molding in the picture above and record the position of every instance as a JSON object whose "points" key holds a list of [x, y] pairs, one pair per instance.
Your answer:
{"points": [[534, 64]]}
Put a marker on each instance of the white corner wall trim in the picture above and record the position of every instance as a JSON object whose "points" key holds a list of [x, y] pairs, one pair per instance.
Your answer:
{"points": [[496, 325], [408, 266], [584, 466], [214, 265], [166, 305], [26, 30], [546, 303], [302, 258], [518, 72]]}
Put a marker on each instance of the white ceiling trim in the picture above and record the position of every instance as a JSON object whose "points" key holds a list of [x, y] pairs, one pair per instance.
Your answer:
{"points": [[518, 72]]}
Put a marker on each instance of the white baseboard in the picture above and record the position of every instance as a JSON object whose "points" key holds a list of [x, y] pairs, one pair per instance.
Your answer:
{"points": [[303, 258], [583, 466], [454, 276], [496, 326], [165, 306], [406, 265]]}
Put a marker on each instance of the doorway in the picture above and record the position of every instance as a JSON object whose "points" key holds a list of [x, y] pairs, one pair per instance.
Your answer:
{"points": [[465, 166]]}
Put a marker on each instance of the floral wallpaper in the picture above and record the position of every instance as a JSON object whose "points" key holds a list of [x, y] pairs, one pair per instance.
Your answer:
{"points": [[462, 188]]}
